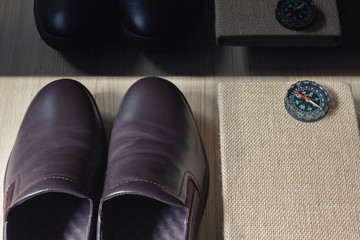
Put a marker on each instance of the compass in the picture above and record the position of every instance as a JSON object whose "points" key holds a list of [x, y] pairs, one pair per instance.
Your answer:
{"points": [[295, 14], [307, 101]]}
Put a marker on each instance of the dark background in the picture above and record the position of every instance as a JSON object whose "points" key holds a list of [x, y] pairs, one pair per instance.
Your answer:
{"points": [[23, 53]]}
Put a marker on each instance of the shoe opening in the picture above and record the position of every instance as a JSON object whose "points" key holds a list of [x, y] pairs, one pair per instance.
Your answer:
{"points": [[137, 217], [50, 216]]}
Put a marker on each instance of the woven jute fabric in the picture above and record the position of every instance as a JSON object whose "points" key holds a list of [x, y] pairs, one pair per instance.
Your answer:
{"points": [[250, 20], [286, 179]]}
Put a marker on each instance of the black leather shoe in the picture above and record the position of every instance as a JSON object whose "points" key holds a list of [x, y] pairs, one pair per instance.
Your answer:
{"points": [[77, 24], [156, 24]]}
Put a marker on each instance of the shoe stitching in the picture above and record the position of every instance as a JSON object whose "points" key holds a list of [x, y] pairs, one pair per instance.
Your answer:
{"points": [[9, 186], [50, 177], [13, 187], [111, 173], [159, 185], [108, 176], [8, 196]]}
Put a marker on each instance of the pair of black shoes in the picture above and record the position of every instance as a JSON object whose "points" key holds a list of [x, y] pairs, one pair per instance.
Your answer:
{"points": [[146, 24]]}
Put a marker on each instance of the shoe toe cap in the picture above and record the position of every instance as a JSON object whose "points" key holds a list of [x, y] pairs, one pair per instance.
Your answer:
{"points": [[158, 18], [63, 18]]}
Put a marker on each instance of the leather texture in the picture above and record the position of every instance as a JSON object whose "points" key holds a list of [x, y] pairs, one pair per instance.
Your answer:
{"points": [[157, 178], [79, 24], [66, 18], [158, 23], [76, 24], [55, 173]]}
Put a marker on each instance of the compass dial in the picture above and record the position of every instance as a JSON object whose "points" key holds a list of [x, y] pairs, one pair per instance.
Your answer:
{"points": [[307, 101], [295, 14]]}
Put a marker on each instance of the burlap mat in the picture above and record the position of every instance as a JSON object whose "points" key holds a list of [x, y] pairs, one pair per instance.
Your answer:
{"points": [[239, 22], [282, 178]]}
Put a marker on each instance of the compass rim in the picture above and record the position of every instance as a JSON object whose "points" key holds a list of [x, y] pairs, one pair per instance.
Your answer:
{"points": [[311, 18], [293, 112]]}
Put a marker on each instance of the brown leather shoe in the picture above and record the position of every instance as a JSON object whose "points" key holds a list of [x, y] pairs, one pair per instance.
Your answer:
{"points": [[55, 172], [156, 183]]}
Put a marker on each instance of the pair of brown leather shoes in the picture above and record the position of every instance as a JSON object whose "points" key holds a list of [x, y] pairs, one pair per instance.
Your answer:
{"points": [[156, 180]]}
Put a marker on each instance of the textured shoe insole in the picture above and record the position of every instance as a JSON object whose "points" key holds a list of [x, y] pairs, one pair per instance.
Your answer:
{"points": [[51, 216], [135, 217]]}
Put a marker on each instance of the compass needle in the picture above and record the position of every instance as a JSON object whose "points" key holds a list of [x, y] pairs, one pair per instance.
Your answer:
{"points": [[294, 10], [301, 95], [307, 99], [314, 104]]}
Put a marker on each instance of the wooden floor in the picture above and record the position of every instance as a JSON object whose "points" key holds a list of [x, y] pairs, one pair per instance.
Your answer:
{"points": [[201, 92]]}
